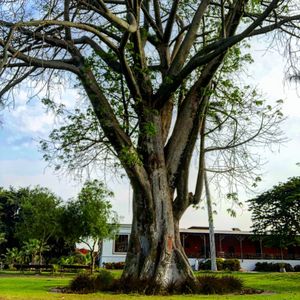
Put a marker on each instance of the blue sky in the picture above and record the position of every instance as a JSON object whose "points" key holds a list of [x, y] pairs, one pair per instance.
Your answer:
{"points": [[21, 163]]}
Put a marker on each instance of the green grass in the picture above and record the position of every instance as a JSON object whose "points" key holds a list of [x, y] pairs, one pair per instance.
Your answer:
{"points": [[13, 286]]}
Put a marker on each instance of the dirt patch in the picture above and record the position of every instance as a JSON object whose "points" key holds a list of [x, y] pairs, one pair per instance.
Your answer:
{"points": [[251, 291], [245, 291], [59, 289]]}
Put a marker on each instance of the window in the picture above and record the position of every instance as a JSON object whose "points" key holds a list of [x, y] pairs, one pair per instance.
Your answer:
{"points": [[121, 243]]}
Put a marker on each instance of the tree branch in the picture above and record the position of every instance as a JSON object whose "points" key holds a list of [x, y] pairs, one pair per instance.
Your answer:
{"points": [[209, 52], [171, 21], [15, 81], [41, 63], [189, 39], [131, 26], [85, 27]]}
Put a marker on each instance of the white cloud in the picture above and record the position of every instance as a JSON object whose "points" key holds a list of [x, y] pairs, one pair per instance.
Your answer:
{"points": [[22, 173], [27, 115]]}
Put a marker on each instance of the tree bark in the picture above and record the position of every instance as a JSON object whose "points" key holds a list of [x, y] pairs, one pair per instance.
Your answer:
{"points": [[212, 244], [92, 261], [155, 253]]}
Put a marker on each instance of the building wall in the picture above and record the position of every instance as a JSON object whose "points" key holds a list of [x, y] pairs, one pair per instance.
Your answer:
{"points": [[196, 246], [108, 254], [234, 246], [249, 264]]}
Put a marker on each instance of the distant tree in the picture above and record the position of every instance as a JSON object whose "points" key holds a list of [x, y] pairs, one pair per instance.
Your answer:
{"points": [[89, 218], [10, 223], [276, 214], [59, 246], [9, 216], [38, 217]]}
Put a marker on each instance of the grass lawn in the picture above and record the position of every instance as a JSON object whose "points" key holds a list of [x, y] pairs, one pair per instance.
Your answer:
{"points": [[13, 286]]}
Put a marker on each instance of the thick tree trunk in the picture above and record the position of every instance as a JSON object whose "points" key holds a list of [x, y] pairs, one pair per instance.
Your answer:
{"points": [[155, 253]]}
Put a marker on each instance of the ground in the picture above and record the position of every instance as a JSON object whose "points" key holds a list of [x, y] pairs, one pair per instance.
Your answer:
{"points": [[283, 286]]}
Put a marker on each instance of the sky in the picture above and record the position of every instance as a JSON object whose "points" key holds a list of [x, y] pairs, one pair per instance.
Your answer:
{"points": [[21, 163]]}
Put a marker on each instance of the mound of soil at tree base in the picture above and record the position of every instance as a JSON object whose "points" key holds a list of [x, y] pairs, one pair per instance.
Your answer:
{"points": [[245, 291]]}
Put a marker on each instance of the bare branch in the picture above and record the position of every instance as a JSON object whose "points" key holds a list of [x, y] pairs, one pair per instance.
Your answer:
{"points": [[15, 81]]}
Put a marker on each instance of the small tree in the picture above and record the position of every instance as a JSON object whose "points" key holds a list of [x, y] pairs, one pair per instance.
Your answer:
{"points": [[89, 218], [14, 256], [276, 214], [38, 217], [32, 248]]}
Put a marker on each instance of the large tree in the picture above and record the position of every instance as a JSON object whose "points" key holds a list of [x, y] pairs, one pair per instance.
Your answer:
{"points": [[276, 214], [164, 55]]}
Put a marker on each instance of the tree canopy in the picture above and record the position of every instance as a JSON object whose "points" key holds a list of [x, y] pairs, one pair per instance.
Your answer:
{"points": [[38, 215], [152, 74], [10, 201], [29, 222], [276, 213], [89, 218], [37, 226]]}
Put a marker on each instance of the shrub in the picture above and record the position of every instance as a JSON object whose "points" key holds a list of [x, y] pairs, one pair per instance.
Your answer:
{"points": [[76, 258], [11, 267], [87, 283], [114, 265], [288, 267], [272, 267], [55, 268], [222, 264], [264, 267], [232, 284], [79, 258], [297, 268], [231, 265], [103, 281], [202, 285], [206, 265], [219, 285], [83, 283], [146, 287], [209, 285]]}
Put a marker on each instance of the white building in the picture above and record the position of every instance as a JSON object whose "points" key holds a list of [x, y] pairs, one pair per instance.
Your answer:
{"points": [[229, 244]]}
